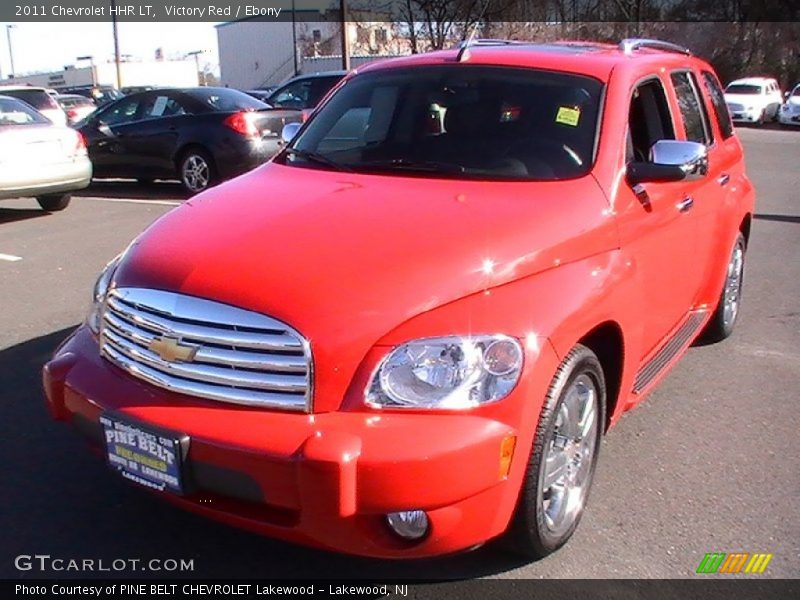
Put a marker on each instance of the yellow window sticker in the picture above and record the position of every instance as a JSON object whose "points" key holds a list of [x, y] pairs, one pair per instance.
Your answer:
{"points": [[568, 115]]}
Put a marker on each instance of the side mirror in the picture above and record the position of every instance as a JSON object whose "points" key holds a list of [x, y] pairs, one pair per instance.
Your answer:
{"points": [[289, 131], [103, 128], [786, 95], [671, 160]]}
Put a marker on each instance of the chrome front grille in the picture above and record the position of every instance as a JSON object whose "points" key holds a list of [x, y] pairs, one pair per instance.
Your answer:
{"points": [[203, 348], [733, 107]]}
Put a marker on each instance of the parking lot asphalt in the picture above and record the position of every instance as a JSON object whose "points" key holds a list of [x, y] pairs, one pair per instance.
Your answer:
{"points": [[708, 462]]}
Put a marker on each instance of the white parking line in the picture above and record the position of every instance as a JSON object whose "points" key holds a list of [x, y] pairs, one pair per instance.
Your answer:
{"points": [[134, 201], [10, 257]]}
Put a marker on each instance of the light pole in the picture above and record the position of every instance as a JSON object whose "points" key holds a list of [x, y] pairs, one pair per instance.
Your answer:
{"points": [[10, 50], [196, 54], [294, 39], [91, 65], [116, 41], [345, 40]]}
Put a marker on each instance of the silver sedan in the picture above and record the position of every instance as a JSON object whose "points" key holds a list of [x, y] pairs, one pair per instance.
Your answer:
{"points": [[38, 158]]}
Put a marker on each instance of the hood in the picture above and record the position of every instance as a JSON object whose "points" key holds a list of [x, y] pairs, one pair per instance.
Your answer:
{"points": [[346, 258]]}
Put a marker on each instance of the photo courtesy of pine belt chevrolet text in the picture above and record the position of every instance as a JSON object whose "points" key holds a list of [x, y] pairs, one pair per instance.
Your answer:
{"points": [[406, 334]]}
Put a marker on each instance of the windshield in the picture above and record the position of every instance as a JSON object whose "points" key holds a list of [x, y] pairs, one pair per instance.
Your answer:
{"points": [[795, 92], [456, 121], [225, 100], [15, 112], [745, 90]]}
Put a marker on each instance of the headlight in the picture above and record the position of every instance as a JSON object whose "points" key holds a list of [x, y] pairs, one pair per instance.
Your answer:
{"points": [[447, 373], [99, 292]]}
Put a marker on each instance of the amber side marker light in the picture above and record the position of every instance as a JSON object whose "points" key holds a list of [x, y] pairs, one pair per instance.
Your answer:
{"points": [[506, 454]]}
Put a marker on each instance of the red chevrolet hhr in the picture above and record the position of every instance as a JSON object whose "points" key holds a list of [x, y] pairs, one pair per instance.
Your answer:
{"points": [[407, 333]]}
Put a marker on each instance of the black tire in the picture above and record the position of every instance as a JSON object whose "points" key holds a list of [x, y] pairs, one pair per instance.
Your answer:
{"points": [[722, 322], [529, 533], [205, 174], [54, 202]]}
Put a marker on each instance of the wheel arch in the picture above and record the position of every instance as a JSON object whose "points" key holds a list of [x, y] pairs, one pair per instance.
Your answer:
{"points": [[606, 340], [744, 228]]}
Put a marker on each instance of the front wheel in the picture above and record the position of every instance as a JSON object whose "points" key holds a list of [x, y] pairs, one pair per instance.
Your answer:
{"points": [[563, 458], [727, 312], [196, 170], [54, 202]]}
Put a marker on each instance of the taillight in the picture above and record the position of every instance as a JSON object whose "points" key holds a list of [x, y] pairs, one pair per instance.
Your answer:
{"points": [[243, 123], [72, 113], [80, 144]]}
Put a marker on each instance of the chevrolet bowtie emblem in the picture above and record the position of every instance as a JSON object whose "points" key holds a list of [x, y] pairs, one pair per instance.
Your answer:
{"points": [[173, 350]]}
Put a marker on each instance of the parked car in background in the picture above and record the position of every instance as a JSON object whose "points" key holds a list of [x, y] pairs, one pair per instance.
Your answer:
{"points": [[790, 111], [197, 135], [39, 99], [258, 94], [75, 106], [754, 100], [304, 91], [100, 94], [135, 89], [402, 341], [39, 158]]}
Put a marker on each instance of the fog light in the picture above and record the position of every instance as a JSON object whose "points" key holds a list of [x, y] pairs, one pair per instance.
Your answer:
{"points": [[408, 524]]}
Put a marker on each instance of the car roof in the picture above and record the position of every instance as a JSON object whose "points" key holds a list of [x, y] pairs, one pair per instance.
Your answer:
{"points": [[593, 59], [752, 81], [318, 75], [14, 88]]}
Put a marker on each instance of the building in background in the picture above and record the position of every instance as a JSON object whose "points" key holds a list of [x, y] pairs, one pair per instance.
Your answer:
{"points": [[172, 73], [255, 53]]}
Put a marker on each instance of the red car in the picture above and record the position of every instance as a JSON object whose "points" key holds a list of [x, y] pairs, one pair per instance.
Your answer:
{"points": [[406, 334]]}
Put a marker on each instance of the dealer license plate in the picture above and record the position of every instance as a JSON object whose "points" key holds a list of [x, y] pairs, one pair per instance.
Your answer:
{"points": [[143, 456]]}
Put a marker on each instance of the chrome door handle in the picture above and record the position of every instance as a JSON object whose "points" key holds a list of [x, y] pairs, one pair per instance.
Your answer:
{"points": [[685, 204], [723, 179]]}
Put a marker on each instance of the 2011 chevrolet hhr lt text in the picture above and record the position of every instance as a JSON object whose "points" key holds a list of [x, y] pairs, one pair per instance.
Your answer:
{"points": [[406, 334]]}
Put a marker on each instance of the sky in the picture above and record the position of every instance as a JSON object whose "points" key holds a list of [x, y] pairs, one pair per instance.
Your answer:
{"points": [[51, 46]]}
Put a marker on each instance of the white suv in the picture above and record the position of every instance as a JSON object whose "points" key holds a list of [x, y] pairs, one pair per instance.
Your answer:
{"points": [[754, 99]]}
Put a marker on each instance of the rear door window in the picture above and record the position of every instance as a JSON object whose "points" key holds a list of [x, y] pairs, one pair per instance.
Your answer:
{"points": [[695, 121], [718, 102]]}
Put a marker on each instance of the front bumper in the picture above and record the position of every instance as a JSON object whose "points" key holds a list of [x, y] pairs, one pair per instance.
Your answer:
{"points": [[325, 480], [789, 118]]}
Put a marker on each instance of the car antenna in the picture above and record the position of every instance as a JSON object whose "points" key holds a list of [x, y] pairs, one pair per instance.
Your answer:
{"points": [[463, 53]]}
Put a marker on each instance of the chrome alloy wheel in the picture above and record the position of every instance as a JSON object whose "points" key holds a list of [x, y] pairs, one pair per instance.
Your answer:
{"points": [[196, 173], [733, 286], [569, 456]]}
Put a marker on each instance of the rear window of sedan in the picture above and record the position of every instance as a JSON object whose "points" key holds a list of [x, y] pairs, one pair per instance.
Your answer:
{"points": [[745, 90], [459, 121], [225, 100], [38, 99], [15, 112]]}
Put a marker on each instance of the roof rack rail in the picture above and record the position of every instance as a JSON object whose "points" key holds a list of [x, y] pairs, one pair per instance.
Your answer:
{"points": [[463, 52], [628, 45]]}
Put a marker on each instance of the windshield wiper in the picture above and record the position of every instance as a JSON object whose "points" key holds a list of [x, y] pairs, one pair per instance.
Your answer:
{"points": [[317, 158], [422, 166]]}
